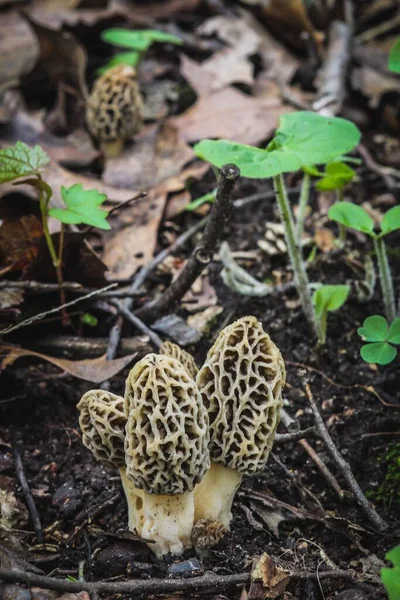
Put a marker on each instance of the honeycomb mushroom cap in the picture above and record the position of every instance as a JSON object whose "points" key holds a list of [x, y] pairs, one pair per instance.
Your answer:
{"points": [[114, 109], [102, 421], [166, 444], [186, 359], [241, 385]]}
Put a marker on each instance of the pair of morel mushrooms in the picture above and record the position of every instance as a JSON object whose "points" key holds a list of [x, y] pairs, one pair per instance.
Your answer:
{"points": [[183, 438]]}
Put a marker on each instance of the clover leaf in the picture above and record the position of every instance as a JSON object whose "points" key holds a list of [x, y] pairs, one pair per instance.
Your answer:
{"points": [[391, 577], [83, 207], [381, 337], [21, 161]]}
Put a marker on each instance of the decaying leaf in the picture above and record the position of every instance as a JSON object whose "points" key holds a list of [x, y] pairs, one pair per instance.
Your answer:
{"points": [[325, 239], [19, 49], [19, 242], [268, 580], [95, 370]]}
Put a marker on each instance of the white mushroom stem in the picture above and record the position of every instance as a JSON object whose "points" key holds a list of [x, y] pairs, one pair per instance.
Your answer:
{"points": [[214, 495], [135, 501], [168, 521]]}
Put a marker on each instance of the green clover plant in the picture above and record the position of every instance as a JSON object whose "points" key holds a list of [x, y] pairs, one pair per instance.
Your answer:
{"points": [[23, 165], [136, 41], [355, 217], [328, 298], [391, 577], [381, 339], [303, 139]]}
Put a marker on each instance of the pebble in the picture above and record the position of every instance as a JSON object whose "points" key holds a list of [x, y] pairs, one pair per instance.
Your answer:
{"points": [[14, 592], [67, 499], [186, 568], [124, 557]]}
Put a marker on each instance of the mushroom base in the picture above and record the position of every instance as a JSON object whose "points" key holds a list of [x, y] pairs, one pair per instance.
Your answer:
{"points": [[135, 501], [168, 522], [214, 495]]}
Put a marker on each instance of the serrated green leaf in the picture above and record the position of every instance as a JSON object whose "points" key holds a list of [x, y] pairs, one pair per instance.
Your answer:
{"points": [[328, 298], [139, 40], [394, 332], [374, 329], [394, 57], [391, 577], [337, 175], [21, 161], [391, 220], [351, 215], [380, 353], [82, 207]]}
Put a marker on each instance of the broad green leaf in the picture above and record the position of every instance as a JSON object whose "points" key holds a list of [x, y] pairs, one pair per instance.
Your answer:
{"points": [[195, 204], [314, 139], [139, 40], [374, 329], [162, 37], [21, 161], [82, 207], [391, 577], [313, 171], [328, 298], [394, 332], [394, 57], [351, 215], [337, 175], [252, 162], [391, 220], [380, 353]]}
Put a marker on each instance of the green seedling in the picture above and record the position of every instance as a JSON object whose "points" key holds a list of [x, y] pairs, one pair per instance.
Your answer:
{"points": [[381, 339], [23, 165], [394, 57], [355, 217], [328, 298], [88, 319], [137, 41], [195, 204], [303, 139], [391, 577]]}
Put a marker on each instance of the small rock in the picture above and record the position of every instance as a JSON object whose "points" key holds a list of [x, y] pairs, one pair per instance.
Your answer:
{"points": [[67, 499], [14, 592], [125, 557], [177, 329], [186, 568]]}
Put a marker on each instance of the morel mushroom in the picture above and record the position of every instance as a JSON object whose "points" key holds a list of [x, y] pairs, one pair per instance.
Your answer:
{"points": [[102, 421], [186, 359], [114, 109], [166, 448], [241, 385]]}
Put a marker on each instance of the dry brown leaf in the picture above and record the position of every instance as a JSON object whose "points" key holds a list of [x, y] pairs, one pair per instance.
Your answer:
{"points": [[19, 49], [268, 580], [374, 84], [10, 297], [94, 370], [19, 242], [216, 73], [158, 10], [232, 114], [325, 239]]}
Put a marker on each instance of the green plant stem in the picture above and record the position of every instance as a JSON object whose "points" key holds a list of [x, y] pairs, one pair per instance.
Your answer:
{"points": [[303, 203], [386, 279], [342, 228], [322, 322], [300, 273]]}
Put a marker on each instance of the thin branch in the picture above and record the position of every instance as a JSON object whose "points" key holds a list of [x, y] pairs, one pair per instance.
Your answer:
{"points": [[343, 466], [136, 322], [202, 254], [295, 436], [20, 472]]}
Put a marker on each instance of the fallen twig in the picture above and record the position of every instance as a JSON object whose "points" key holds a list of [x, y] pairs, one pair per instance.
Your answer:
{"points": [[136, 322], [203, 252], [20, 472], [295, 436], [79, 347], [343, 466]]}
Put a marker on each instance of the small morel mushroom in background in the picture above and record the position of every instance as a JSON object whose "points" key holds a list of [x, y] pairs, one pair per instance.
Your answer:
{"points": [[102, 421], [166, 448], [185, 358], [114, 109], [241, 385]]}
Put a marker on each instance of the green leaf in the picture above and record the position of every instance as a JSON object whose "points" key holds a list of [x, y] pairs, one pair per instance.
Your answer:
{"points": [[328, 298], [374, 329], [337, 175], [391, 220], [380, 353], [123, 58], [394, 57], [195, 204], [391, 577], [351, 215], [88, 319], [313, 171], [139, 40], [162, 37], [394, 332], [82, 207], [21, 161]]}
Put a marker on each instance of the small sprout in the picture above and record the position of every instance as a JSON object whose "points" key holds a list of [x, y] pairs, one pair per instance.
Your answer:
{"points": [[391, 577], [198, 202], [166, 448], [83, 207], [328, 298], [21, 161], [335, 177], [185, 358], [114, 109], [89, 319], [394, 57], [381, 340], [102, 421], [241, 385]]}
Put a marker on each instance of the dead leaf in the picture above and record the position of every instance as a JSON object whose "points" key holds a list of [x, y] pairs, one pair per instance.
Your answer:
{"points": [[20, 241], [325, 239], [158, 10], [268, 580], [272, 517], [19, 49], [231, 114], [203, 320], [374, 84], [9, 298], [157, 154], [94, 370]]}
